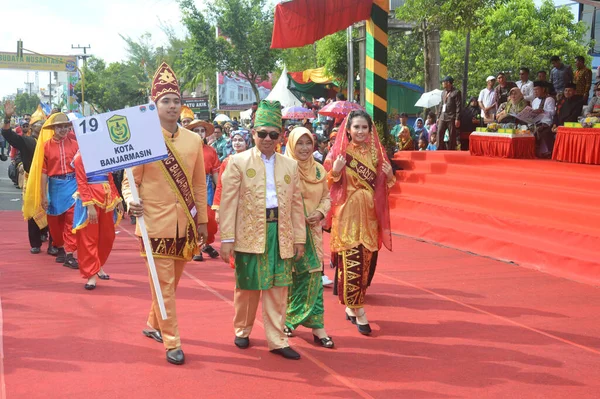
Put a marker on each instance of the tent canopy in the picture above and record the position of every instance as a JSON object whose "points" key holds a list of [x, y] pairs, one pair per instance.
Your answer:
{"points": [[281, 92], [402, 97]]}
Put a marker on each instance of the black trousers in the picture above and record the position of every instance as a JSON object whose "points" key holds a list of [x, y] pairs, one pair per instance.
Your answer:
{"points": [[452, 132], [35, 233]]}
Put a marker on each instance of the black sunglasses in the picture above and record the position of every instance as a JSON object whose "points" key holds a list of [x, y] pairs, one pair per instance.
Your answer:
{"points": [[263, 135]]}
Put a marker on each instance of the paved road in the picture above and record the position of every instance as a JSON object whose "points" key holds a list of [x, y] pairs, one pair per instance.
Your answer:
{"points": [[10, 196]]}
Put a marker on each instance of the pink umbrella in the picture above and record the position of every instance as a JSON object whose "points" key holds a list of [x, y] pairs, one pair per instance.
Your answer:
{"points": [[297, 113], [339, 109]]}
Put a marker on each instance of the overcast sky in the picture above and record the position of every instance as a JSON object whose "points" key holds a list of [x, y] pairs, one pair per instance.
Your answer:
{"points": [[51, 29]]}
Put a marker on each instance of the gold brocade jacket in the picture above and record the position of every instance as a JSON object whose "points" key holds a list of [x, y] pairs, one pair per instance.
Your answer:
{"points": [[318, 200], [164, 215], [243, 204], [355, 221]]}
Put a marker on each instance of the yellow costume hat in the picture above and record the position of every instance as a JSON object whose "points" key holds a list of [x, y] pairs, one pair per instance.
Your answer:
{"points": [[32, 200], [186, 113], [37, 116]]}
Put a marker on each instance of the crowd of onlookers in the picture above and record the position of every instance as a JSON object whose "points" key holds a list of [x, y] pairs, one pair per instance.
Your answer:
{"points": [[562, 97]]}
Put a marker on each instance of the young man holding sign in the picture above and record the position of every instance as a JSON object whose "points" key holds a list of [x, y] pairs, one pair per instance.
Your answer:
{"points": [[173, 204]]}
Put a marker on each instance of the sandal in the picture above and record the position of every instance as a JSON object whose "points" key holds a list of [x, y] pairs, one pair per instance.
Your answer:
{"points": [[326, 342], [89, 287], [103, 276]]}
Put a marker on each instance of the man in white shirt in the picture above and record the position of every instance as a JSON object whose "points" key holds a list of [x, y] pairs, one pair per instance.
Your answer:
{"points": [[526, 85], [546, 107], [487, 100], [263, 231]]}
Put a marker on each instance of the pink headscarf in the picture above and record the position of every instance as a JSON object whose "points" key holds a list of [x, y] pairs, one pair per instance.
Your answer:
{"points": [[338, 191]]}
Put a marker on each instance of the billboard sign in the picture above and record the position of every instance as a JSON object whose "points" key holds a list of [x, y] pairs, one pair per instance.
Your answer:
{"points": [[199, 106], [33, 62]]}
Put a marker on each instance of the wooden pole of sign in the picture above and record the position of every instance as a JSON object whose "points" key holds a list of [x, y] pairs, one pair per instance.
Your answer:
{"points": [[146, 241]]}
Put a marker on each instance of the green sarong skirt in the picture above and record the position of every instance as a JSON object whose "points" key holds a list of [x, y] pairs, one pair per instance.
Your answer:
{"points": [[305, 301], [263, 271]]}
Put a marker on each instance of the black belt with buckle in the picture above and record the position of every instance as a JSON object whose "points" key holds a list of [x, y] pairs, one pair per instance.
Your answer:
{"points": [[272, 215]]}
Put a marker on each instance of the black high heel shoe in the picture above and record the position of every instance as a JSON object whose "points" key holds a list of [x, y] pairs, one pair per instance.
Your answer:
{"points": [[364, 329], [351, 319], [326, 342]]}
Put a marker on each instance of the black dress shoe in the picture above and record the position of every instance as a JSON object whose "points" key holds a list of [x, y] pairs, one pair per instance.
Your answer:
{"points": [[351, 319], [198, 258], [155, 335], [35, 250], [52, 251], [242, 342], [287, 352], [175, 356], [89, 287], [211, 252], [71, 262], [60, 255]]}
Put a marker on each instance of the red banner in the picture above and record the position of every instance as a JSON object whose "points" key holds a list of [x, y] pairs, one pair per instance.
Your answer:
{"points": [[301, 22]]}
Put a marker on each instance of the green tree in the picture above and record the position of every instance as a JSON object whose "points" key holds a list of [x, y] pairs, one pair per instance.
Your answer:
{"points": [[26, 103], [245, 28], [115, 86], [433, 16], [332, 53], [515, 34], [300, 58], [199, 61], [405, 57]]}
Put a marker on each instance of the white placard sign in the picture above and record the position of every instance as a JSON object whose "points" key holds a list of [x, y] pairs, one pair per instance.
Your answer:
{"points": [[120, 139]]}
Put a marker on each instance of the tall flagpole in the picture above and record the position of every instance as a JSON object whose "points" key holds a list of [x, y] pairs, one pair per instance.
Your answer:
{"points": [[350, 64]]}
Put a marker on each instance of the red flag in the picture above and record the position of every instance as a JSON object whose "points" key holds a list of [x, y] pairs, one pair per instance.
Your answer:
{"points": [[301, 22]]}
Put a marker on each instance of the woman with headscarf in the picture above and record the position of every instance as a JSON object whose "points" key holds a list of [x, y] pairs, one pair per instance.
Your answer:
{"points": [[421, 132], [359, 177], [305, 304], [240, 141], [405, 141], [515, 104]]}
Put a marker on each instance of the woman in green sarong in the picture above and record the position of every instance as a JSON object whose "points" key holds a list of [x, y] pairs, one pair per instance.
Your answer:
{"points": [[305, 302]]}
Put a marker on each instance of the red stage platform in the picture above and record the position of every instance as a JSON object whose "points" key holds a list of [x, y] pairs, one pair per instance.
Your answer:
{"points": [[536, 213]]}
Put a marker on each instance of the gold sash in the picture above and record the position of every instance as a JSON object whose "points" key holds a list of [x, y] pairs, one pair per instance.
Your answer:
{"points": [[362, 171], [179, 180]]}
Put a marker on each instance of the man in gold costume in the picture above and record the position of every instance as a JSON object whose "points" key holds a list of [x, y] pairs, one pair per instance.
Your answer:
{"points": [[265, 227], [173, 203]]}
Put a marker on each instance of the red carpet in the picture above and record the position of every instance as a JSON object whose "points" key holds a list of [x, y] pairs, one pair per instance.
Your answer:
{"points": [[539, 214], [446, 325]]}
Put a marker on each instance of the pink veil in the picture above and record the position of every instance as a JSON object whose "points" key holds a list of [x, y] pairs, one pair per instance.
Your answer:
{"points": [[338, 190]]}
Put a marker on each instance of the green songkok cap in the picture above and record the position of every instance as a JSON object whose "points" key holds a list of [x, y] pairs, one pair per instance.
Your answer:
{"points": [[268, 113]]}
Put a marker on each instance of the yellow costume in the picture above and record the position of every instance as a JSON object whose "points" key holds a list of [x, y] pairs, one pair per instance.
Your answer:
{"points": [[264, 222], [166, 215]]}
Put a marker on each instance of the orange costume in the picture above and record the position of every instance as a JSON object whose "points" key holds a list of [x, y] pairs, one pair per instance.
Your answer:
{"points": [[211, 166], [58, 156], [173, 192], [94, 240]]}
